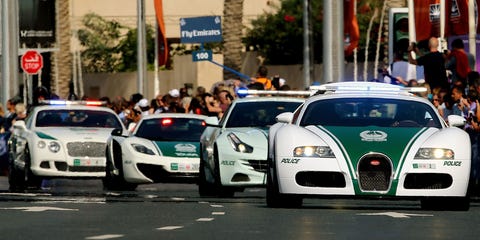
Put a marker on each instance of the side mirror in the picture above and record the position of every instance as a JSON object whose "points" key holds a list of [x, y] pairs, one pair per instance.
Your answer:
{"points": [[456, 121], [285, 117], [117, 132], [211, 121], [19, 124]]}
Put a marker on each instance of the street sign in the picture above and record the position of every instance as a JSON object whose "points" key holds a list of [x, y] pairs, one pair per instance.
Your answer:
{"points": [[202, 55], [32, 62], [201, 29]]}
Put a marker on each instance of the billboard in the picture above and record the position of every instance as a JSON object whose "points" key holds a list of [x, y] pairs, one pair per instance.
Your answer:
{"points": [[36, 23]]}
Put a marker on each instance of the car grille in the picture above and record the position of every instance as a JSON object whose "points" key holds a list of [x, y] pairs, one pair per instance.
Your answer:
{"points": [[158, 173], [258, 165], [63, 166], [374, 172], [82, 149]]}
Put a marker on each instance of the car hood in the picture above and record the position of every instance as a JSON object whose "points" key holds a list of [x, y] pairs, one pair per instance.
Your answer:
{"points": [[358, 141], [66, 134], [178, 149]]}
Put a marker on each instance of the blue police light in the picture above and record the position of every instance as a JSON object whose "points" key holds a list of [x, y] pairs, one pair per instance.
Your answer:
{"points": [[242, 92]]}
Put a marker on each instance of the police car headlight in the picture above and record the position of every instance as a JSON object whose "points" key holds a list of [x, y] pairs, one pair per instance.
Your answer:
{"points": [[54, 147], [434, 153], [238, 145], [142, 149], [313, 151]]}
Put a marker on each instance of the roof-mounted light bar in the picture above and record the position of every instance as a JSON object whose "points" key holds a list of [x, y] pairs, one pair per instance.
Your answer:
{"points": [[242, 92], [67, 102], [366, 87]]}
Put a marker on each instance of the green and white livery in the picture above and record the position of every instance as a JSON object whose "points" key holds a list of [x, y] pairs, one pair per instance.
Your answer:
{"points": [[162, 148], [368, 139], [65, 139]]}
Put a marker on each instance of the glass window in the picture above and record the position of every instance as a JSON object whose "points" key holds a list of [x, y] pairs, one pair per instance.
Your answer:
{"points": [[370, 111], [258, 114], [171, 129], [77, 118]]}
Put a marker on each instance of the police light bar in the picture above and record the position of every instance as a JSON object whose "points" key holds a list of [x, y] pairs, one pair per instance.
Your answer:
{"points": [[67, 102], [245, 92], [366, 87]]}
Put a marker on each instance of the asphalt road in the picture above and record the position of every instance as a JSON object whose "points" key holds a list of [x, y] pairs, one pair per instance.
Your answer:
{"points": [[81, 209]]}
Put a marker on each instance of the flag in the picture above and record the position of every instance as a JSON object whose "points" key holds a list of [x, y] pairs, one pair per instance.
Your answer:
{"points": [[456, 20], [162, 37], [427, 19], [351, 31]]}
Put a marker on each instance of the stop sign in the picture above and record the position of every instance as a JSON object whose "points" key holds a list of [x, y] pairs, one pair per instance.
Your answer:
{"points": [[32, 62]]}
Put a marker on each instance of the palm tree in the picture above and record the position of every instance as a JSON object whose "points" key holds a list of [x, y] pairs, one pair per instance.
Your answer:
{"points": [[232, 36], [62, 59]]}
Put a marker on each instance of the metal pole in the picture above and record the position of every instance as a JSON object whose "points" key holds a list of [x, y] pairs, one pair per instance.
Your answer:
{"points": [[156, 81], [327, 41], [9, 80], [340, 60], [141, 48], [306, 45], [472, 33]]}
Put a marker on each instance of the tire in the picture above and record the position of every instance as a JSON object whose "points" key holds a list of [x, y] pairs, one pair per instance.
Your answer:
{"points": [[221, 191], [16, 177], [112, 181], [446, 203], [274, 198], [31, 180], [205, 189]]}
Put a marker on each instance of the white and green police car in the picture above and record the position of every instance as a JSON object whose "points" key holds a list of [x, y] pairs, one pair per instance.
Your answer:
{"points": [[62, 139], [361, 139], [162, 148]]}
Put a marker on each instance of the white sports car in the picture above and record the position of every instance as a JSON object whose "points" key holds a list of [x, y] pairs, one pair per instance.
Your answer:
{"points": [[162, 148], [370, 140], [234, 152], [65, 140]]}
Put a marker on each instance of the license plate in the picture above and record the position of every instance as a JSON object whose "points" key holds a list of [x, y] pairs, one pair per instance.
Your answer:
{"points": [[184, 166], [87, 162]]}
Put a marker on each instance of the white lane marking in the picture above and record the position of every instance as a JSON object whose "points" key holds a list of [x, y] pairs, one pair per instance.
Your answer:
{"points": [[216, 206], [169, 228], [26, 194], [177, 199], [150, 196], [205, 219], [39, 209], [106, 236], [218, 213], [203, 202], [396, 214]]}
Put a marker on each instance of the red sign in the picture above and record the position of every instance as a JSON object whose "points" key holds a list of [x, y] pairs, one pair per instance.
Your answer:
{"points": [[32, 62]]}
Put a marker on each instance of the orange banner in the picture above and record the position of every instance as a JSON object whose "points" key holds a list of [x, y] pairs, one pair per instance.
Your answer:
{"points": [[427, 19], [351, 31], [162, 37]]}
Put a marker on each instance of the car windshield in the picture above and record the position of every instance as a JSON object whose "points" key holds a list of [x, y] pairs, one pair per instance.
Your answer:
{"points": [[77, 118], [258, 114], [370, 112], [171, 129]]}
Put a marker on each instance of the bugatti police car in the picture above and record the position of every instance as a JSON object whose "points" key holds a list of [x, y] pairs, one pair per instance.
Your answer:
{"points": [[368, 139], [234, 152], [64, 139], [162, 148]]}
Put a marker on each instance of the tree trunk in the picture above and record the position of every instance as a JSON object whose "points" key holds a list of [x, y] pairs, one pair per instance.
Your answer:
{"points": [[232, 36], [62, 60]]}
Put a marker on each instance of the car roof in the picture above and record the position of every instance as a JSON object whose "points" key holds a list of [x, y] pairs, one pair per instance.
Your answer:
{"points": [[367, 89], [71, 107], [174, 115], [269, 99]]}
